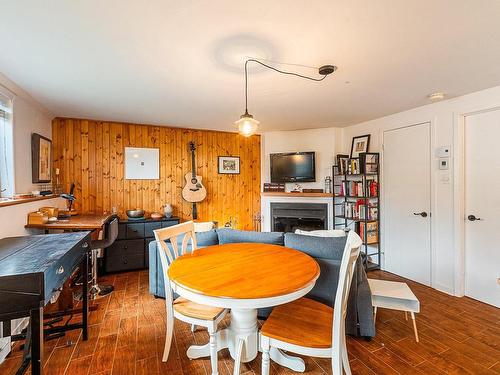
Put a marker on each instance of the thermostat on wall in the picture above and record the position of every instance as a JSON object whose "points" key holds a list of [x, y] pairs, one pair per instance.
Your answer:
{"points": [[443, 163]]}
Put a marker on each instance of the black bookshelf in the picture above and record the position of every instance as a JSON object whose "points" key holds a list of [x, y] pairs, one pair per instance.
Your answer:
{"points": [[356, 202]]}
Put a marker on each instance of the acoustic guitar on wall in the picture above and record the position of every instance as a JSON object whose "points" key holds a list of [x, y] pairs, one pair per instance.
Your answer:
{"points": [[193, 191]]}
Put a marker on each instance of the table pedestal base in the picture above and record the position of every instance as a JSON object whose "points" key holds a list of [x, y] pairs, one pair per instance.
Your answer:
{"points": [[242, 340]]}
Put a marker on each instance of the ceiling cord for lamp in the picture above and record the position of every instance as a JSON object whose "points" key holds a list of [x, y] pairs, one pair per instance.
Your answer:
{"points": [[279, 71], [247, 125]]}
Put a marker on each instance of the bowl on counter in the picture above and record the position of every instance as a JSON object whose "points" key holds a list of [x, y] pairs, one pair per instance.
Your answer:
{"points": [[135, 214], [156, 216]]}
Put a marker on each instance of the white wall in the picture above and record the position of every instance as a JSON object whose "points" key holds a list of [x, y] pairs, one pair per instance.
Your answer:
{"points": [[325, 142], [16, 216], [444, 117], [29, 117]]}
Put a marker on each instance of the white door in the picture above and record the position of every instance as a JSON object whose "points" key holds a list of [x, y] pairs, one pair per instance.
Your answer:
{"points": [[482, 207], [407, 191]]}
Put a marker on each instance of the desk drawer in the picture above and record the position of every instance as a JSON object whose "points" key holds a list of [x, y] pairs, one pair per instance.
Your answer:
{"points": [[135, 230], [128, 247], [124, 262], [61, 270]]}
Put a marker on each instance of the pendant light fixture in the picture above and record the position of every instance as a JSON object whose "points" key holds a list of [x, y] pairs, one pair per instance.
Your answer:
{"points": [[247, 125]]}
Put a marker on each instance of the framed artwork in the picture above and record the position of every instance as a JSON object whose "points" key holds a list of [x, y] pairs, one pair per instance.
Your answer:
{"points": [[229, 165], [342, 161], [142, 163], [369, 162], [41, 159], [360, 144]]}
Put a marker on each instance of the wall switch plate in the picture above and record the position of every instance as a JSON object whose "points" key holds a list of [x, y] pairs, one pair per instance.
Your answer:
{"points": [[445, 179], [444, 163]]}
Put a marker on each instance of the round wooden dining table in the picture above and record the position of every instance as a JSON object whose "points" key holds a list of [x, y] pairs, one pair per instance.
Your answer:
{"points": [[244, 277]]}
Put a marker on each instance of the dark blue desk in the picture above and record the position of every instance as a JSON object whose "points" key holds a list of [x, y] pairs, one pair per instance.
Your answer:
{"points": [[32, 270]]}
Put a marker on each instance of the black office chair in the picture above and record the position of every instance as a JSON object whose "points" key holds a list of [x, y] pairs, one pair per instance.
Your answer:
{"points": [[111, 232]]}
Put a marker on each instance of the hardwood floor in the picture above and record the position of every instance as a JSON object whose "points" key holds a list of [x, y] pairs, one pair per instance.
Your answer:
{"points": [[458, 336]]}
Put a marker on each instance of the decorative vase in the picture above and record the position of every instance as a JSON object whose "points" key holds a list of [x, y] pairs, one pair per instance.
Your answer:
{"points": [[168, 210]]}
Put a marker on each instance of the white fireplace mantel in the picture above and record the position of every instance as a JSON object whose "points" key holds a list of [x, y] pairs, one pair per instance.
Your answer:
{"points": [[267, 199]]}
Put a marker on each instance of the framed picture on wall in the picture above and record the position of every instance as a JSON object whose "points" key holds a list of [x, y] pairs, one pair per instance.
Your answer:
{"points": [[360, 144], [229, 165], [342, 161], [41, 159]]}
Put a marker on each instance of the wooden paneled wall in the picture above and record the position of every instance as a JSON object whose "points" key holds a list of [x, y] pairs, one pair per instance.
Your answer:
{"points": [[91, 154]]}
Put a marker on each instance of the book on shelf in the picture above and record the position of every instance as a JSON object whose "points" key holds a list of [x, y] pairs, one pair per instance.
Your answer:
{"points": [[373, 188], [346, 165], [355, 189], [342, 161], [371, 232], [353, 167], [369, 162], [359, 210], [274, 187]]}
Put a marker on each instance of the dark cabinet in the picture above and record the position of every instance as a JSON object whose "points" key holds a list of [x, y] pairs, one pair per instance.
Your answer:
{"points": [[130, 250]]}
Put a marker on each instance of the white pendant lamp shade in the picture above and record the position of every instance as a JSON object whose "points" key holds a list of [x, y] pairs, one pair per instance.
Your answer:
{"points": [[247, 125]]}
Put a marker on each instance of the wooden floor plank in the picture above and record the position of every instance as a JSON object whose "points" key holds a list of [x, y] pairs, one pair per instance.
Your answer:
{"points": [[127, 333], [59, 360], [124, 361], [103, 357], [78, 366], [87, 348], [147, 366]]}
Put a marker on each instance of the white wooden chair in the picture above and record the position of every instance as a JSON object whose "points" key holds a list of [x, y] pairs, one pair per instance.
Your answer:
{"points": [[181, 308], [310, 328]]}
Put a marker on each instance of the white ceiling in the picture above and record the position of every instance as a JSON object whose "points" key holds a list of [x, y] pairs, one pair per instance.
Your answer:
{"points": [[181, 62]]}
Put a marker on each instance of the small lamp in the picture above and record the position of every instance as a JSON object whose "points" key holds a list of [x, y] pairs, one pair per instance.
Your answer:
{"points": [[247, 125], [70, 197]]}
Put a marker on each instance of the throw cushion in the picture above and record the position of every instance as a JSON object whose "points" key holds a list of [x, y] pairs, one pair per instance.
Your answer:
{"points": [[228, 235], [322, 233], [204, 226], [317, 247]]}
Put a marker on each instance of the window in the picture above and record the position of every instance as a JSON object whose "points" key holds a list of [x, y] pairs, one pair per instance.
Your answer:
{"points": [[6, 147]]}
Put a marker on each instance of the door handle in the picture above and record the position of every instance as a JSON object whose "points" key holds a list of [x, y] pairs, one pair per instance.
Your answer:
{"points": [[473, 218], [423, 214]]}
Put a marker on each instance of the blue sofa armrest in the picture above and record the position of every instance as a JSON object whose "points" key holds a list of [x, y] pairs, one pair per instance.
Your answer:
{"points": [[156, 283]]}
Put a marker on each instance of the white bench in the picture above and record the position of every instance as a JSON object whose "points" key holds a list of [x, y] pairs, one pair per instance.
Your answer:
{"points": [[396, 296]]}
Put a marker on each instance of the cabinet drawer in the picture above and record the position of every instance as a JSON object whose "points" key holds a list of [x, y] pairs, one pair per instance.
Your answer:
{"points": [[124, 262], [122, 231], [125, 247], [135, 230], [169, 223], [150, 227]]}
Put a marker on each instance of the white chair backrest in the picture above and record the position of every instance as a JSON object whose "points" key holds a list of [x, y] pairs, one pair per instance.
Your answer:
{"points": [[171, 233], [166, 256], [351, 253]]}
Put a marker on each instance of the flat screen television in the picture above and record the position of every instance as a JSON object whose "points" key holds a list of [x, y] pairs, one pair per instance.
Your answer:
{"points": [[293, 167]]}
